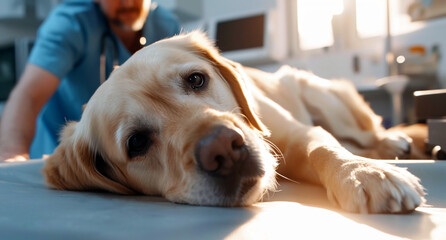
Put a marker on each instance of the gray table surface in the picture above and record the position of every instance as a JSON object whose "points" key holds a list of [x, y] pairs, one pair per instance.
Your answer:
{"points": [[30, 210]]}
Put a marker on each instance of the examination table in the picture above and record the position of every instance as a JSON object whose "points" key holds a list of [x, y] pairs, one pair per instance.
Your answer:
{"points": [[31, 210]]}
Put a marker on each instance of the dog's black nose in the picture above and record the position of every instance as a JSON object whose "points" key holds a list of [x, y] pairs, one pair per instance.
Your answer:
{"points": [[219, 152]]}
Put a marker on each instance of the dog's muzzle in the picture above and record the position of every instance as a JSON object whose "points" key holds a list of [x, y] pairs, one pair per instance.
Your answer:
{"points": [[225, 156]]}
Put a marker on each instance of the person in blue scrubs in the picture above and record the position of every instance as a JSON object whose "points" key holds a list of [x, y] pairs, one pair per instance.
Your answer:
{"points": [[65, 67]]}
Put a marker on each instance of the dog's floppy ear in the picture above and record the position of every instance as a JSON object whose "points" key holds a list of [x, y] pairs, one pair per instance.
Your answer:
{"points": [[232, 72], [75, 166]]}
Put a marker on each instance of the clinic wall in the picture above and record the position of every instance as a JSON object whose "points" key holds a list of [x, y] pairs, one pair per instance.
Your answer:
{"points": [[339, 63], [432, 34], [11, 31], [321, 64], [213, 8], [22, 18]]}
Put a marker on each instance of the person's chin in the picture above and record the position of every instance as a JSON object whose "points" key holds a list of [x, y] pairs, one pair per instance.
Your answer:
{"points": [[137, 25], [129, 26]]}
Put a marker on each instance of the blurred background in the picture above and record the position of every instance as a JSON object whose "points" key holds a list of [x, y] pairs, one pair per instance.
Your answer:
{"points": [[387, 48]]}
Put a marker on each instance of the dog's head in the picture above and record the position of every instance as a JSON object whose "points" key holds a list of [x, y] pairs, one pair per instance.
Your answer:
{"points": [[176, 120]]}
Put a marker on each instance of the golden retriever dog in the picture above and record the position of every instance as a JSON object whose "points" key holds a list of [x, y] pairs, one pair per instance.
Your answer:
{"points": [[181, 121]]}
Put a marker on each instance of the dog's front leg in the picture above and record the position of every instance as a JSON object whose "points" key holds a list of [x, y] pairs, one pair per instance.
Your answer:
{"points": [[363, 185], [354, 183]]}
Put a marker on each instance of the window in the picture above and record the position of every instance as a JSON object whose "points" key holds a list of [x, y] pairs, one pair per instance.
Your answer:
{"points": [[314, 22], [355, 21], [371, 18]]}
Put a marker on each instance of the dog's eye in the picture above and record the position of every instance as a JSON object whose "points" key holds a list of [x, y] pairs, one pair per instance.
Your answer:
{"points": [[196, 80], [138, 144]]}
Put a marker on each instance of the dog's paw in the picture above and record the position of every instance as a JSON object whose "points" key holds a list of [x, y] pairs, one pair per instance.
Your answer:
{"points": [[393, 144], [368, 187]]}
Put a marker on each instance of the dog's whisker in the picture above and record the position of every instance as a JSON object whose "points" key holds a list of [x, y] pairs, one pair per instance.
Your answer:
{"points": [[268, 193], [276, 152], [287, 178]]}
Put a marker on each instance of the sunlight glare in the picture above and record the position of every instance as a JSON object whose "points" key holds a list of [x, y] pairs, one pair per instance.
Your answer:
{"points": [[371, 18], [291, 220], [314, 22]]}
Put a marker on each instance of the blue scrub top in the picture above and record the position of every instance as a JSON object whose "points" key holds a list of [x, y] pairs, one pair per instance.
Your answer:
{"points": [[68, 45]]}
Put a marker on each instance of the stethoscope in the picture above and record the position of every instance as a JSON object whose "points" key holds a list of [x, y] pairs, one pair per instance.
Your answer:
{"points": [[107, 39]]}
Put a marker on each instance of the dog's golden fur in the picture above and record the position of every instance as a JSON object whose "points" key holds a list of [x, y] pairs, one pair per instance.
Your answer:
{"points": [[294, 110]]}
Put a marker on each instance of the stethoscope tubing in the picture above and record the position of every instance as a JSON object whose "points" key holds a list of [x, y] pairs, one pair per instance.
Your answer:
{"points": [[103, 56]]}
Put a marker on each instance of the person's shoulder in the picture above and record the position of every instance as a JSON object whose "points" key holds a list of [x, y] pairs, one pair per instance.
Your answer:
{"points": [[160, 13], [76, 8], [73, 16], [162, 23]]}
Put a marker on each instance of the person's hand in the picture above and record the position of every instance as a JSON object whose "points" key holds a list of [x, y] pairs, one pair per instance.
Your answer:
{"points": [[4, 157], [18, 119]]}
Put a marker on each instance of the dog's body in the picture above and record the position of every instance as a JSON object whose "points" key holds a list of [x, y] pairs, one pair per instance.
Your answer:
{"points": [[179, 120]]}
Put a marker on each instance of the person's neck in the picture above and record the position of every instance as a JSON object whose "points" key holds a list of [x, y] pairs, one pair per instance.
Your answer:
{"points": [[129, 38]]}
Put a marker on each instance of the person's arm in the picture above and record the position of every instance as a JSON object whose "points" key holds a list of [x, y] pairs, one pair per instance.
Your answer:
{"points": [[18, 120]]}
